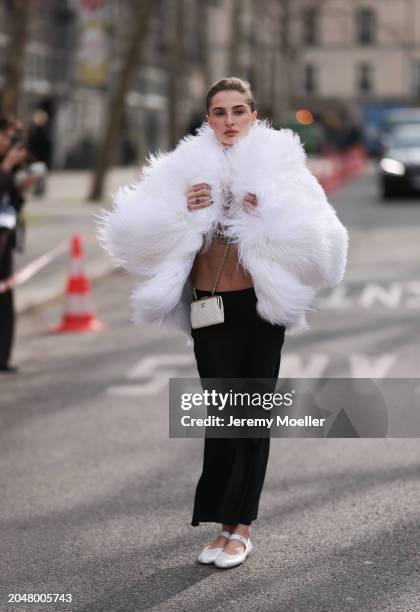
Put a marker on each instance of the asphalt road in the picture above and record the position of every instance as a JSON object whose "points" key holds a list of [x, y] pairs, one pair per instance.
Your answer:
{"points": [[96, 499]]}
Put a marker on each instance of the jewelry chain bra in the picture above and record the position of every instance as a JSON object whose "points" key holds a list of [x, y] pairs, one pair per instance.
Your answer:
{"points": [[220, 233], [209, 310]]}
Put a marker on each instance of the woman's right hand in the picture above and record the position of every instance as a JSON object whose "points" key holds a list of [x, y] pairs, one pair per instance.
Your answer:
{"points": [[199, 196]]}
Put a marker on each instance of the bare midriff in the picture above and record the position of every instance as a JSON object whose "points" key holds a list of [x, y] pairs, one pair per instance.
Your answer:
{"points": [[207, 265]]}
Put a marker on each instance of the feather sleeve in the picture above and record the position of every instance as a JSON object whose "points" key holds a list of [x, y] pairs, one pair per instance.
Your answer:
{"points": [[294, 225], [149, 223]]}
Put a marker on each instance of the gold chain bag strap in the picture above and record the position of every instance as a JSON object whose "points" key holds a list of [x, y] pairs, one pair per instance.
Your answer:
{"points": [[209, 310]]}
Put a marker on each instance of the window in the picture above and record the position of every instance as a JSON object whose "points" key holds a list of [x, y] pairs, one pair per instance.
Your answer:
{"points": [[310, 23], [365, 26], [365, 78], [309, 79]]}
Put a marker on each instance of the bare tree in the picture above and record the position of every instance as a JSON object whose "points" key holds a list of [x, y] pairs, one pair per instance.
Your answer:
{"points": [[203, 39], [176, 72], [19, 14], [261, 39], [235, 37], [132, 60], [274, 56], [287, 53], [290, 50]]}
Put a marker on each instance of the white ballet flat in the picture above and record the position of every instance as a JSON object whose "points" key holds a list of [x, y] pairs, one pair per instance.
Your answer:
{"points": [[208, 555], [224, 560]]}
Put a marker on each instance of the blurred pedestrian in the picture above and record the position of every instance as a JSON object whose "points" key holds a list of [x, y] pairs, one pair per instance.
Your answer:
{"points": [[40, 146], [12, 155], [239, 185]]}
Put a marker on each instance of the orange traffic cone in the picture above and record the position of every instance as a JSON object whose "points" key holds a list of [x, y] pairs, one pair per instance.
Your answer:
{"points": [[79, 315]]}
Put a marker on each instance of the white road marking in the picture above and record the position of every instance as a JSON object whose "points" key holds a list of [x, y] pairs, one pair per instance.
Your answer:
{"points": [[362, 366], [414, 301], [152, 387], [157, 369], [151, 367], [373, 295], [148, 365], [295, 366], [336, 299]]}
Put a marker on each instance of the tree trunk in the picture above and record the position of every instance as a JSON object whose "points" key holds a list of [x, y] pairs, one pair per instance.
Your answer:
{"points": [[285, 57], [176, 72], [274, 60], [203, 40], [19, 17], [290, 51], [115, 110], [235, 38]]}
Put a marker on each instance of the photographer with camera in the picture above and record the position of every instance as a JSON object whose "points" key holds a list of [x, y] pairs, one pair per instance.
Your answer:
{"points": [[14, 179]]}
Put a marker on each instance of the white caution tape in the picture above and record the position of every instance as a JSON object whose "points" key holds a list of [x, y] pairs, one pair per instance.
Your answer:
{"points": [[33, 267]]}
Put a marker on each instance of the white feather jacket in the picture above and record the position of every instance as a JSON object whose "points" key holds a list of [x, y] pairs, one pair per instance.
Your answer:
{"points": [[292, 244]]}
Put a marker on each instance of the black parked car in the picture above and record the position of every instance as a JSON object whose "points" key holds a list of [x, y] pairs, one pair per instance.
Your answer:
{"points": [[399, 166]]}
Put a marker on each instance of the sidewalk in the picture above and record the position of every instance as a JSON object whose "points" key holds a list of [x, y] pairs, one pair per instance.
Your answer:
{"points": [[63, 212], [54, 219]]}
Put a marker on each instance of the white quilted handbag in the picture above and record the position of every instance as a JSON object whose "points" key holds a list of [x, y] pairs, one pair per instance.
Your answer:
{"points": [[207, 311]]}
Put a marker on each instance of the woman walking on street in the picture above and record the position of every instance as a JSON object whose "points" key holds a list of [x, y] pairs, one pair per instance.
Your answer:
{"points": [[230, 237]]}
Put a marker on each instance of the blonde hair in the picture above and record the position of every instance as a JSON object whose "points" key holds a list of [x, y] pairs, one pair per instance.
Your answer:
{"points": [[231, 84]]}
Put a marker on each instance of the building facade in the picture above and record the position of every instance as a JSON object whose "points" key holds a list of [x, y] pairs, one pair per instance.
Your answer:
{"points": [[325, 55], [360, 50], [337, 53], [74, 52]]}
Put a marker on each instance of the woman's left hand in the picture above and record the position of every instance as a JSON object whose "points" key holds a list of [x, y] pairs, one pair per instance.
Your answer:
{"points": [[250, 202]]}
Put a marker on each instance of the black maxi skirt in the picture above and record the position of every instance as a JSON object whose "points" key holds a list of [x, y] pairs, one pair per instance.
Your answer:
{"points": [[243, 346]]}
